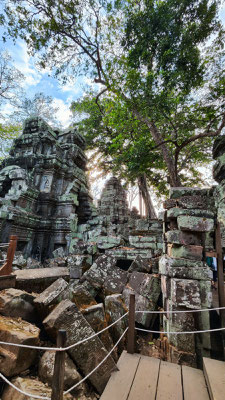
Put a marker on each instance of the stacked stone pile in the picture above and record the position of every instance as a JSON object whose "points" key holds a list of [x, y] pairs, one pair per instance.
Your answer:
{"points": [[82, 307], [185, 277]]}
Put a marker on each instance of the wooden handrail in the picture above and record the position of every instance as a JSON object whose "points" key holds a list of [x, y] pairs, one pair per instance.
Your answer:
{"points": [[59, 368], [6, 269]]}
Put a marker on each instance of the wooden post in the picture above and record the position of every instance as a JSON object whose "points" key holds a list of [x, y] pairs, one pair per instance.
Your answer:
{"points": [[59, 368], [220, 274], [140, 203], [131, 329], [7, 267]]}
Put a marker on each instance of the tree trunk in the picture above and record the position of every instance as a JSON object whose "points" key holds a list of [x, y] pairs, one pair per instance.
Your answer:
{"points": [[143, 188]]}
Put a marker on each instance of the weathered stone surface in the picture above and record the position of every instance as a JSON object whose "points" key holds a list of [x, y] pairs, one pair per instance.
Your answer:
{"points": [[115, 282], [47, 300], [190, 252], [177, 192], [176, 212], [17, 303], [99, 271], [13, 359], [95, 316], [87, 355], [184, 269], [140, 265], [108, 242], [185, 293], [147, 291], [46, 368], [143, 242], [43, 180], [78, 264], [184, 237], [32, 386], [81, 297], [127, 253], [37, 280], [114, 309], [199, 224]]}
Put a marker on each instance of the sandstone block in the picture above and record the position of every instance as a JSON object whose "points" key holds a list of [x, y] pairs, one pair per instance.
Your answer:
{"points": [[99, 271], [46, 301], [146, 285], [108, 242], [183, 237], [189, 252], [37, 280], [199, 224], [140, 265], [186, 270], [87, 355], [185, 293], [141, 303], [80, 296], [95, 316], [46, 369], [177, 192], [17, 303], [114, 309], [32, 386], [13, 359]]}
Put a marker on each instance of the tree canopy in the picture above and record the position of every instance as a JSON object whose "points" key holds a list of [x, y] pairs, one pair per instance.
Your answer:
{"points": [[149, 56]]}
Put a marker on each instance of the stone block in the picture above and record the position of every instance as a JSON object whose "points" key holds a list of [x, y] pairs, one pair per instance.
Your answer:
{"points": [[143, 242], [199, 224], [115, 282], [176, 212], [182, 357], [88, 354], [37, 280], [184, 237], [100, 271], [190, 252], [95, 316], [185, 293], [185, 271], [78, 264], [46, 369], [13, 359], [108, 242], [146, 285], [178, 192], [114, 309], [18, 304], [27, 385], [141, 303], [140, 265], [47, 300]]}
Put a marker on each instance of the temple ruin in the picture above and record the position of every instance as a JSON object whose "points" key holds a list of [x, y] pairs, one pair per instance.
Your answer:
{"points": [[110, 251]]}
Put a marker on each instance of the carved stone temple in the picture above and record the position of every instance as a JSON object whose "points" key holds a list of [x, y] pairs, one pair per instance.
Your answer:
{"points": [[43, 189]]}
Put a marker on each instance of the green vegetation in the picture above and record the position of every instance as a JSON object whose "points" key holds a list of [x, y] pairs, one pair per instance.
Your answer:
{"points": [[159, 67]]}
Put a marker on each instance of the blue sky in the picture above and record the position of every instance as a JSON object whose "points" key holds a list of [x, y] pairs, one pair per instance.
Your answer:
{"points": [[40, 81]]}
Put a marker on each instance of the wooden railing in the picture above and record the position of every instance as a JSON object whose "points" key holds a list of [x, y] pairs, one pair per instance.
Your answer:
{"points": [[6, 268]]}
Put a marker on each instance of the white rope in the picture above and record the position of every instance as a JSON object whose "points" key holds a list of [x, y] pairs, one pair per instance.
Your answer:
{"points": [[180, 311], [33, 396], [180, 333], [63, 348], [104, 359], [4, 244]]}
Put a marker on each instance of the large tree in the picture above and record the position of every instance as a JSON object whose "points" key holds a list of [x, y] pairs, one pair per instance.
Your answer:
{"points": [[40, 105], [149, 54]]}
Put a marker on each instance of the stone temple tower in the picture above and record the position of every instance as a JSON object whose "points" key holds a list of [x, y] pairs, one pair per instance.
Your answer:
{"points": [[43, 189], [113, 203]]}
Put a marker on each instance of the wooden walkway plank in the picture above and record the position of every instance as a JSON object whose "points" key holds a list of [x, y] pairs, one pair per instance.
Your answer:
{"points": [[194, 385], [169, 384], [146, 378], [214, 371], [120, 382]]}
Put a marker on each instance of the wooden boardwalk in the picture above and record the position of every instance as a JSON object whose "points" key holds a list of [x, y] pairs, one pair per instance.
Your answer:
{"points": [[146, 378]]}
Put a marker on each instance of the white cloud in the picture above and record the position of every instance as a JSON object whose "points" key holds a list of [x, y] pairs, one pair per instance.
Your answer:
{"points": [[26, 65], [64, 114]]}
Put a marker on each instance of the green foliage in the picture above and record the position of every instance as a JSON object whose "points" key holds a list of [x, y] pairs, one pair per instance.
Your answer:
{"points": [[8, 132], [165, 99]]}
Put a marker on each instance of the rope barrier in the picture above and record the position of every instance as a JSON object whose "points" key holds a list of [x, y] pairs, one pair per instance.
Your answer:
{"points": [[104, 359], [64, 348], [33, 396], [179, 311], [179, 333], [74, 386]]}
